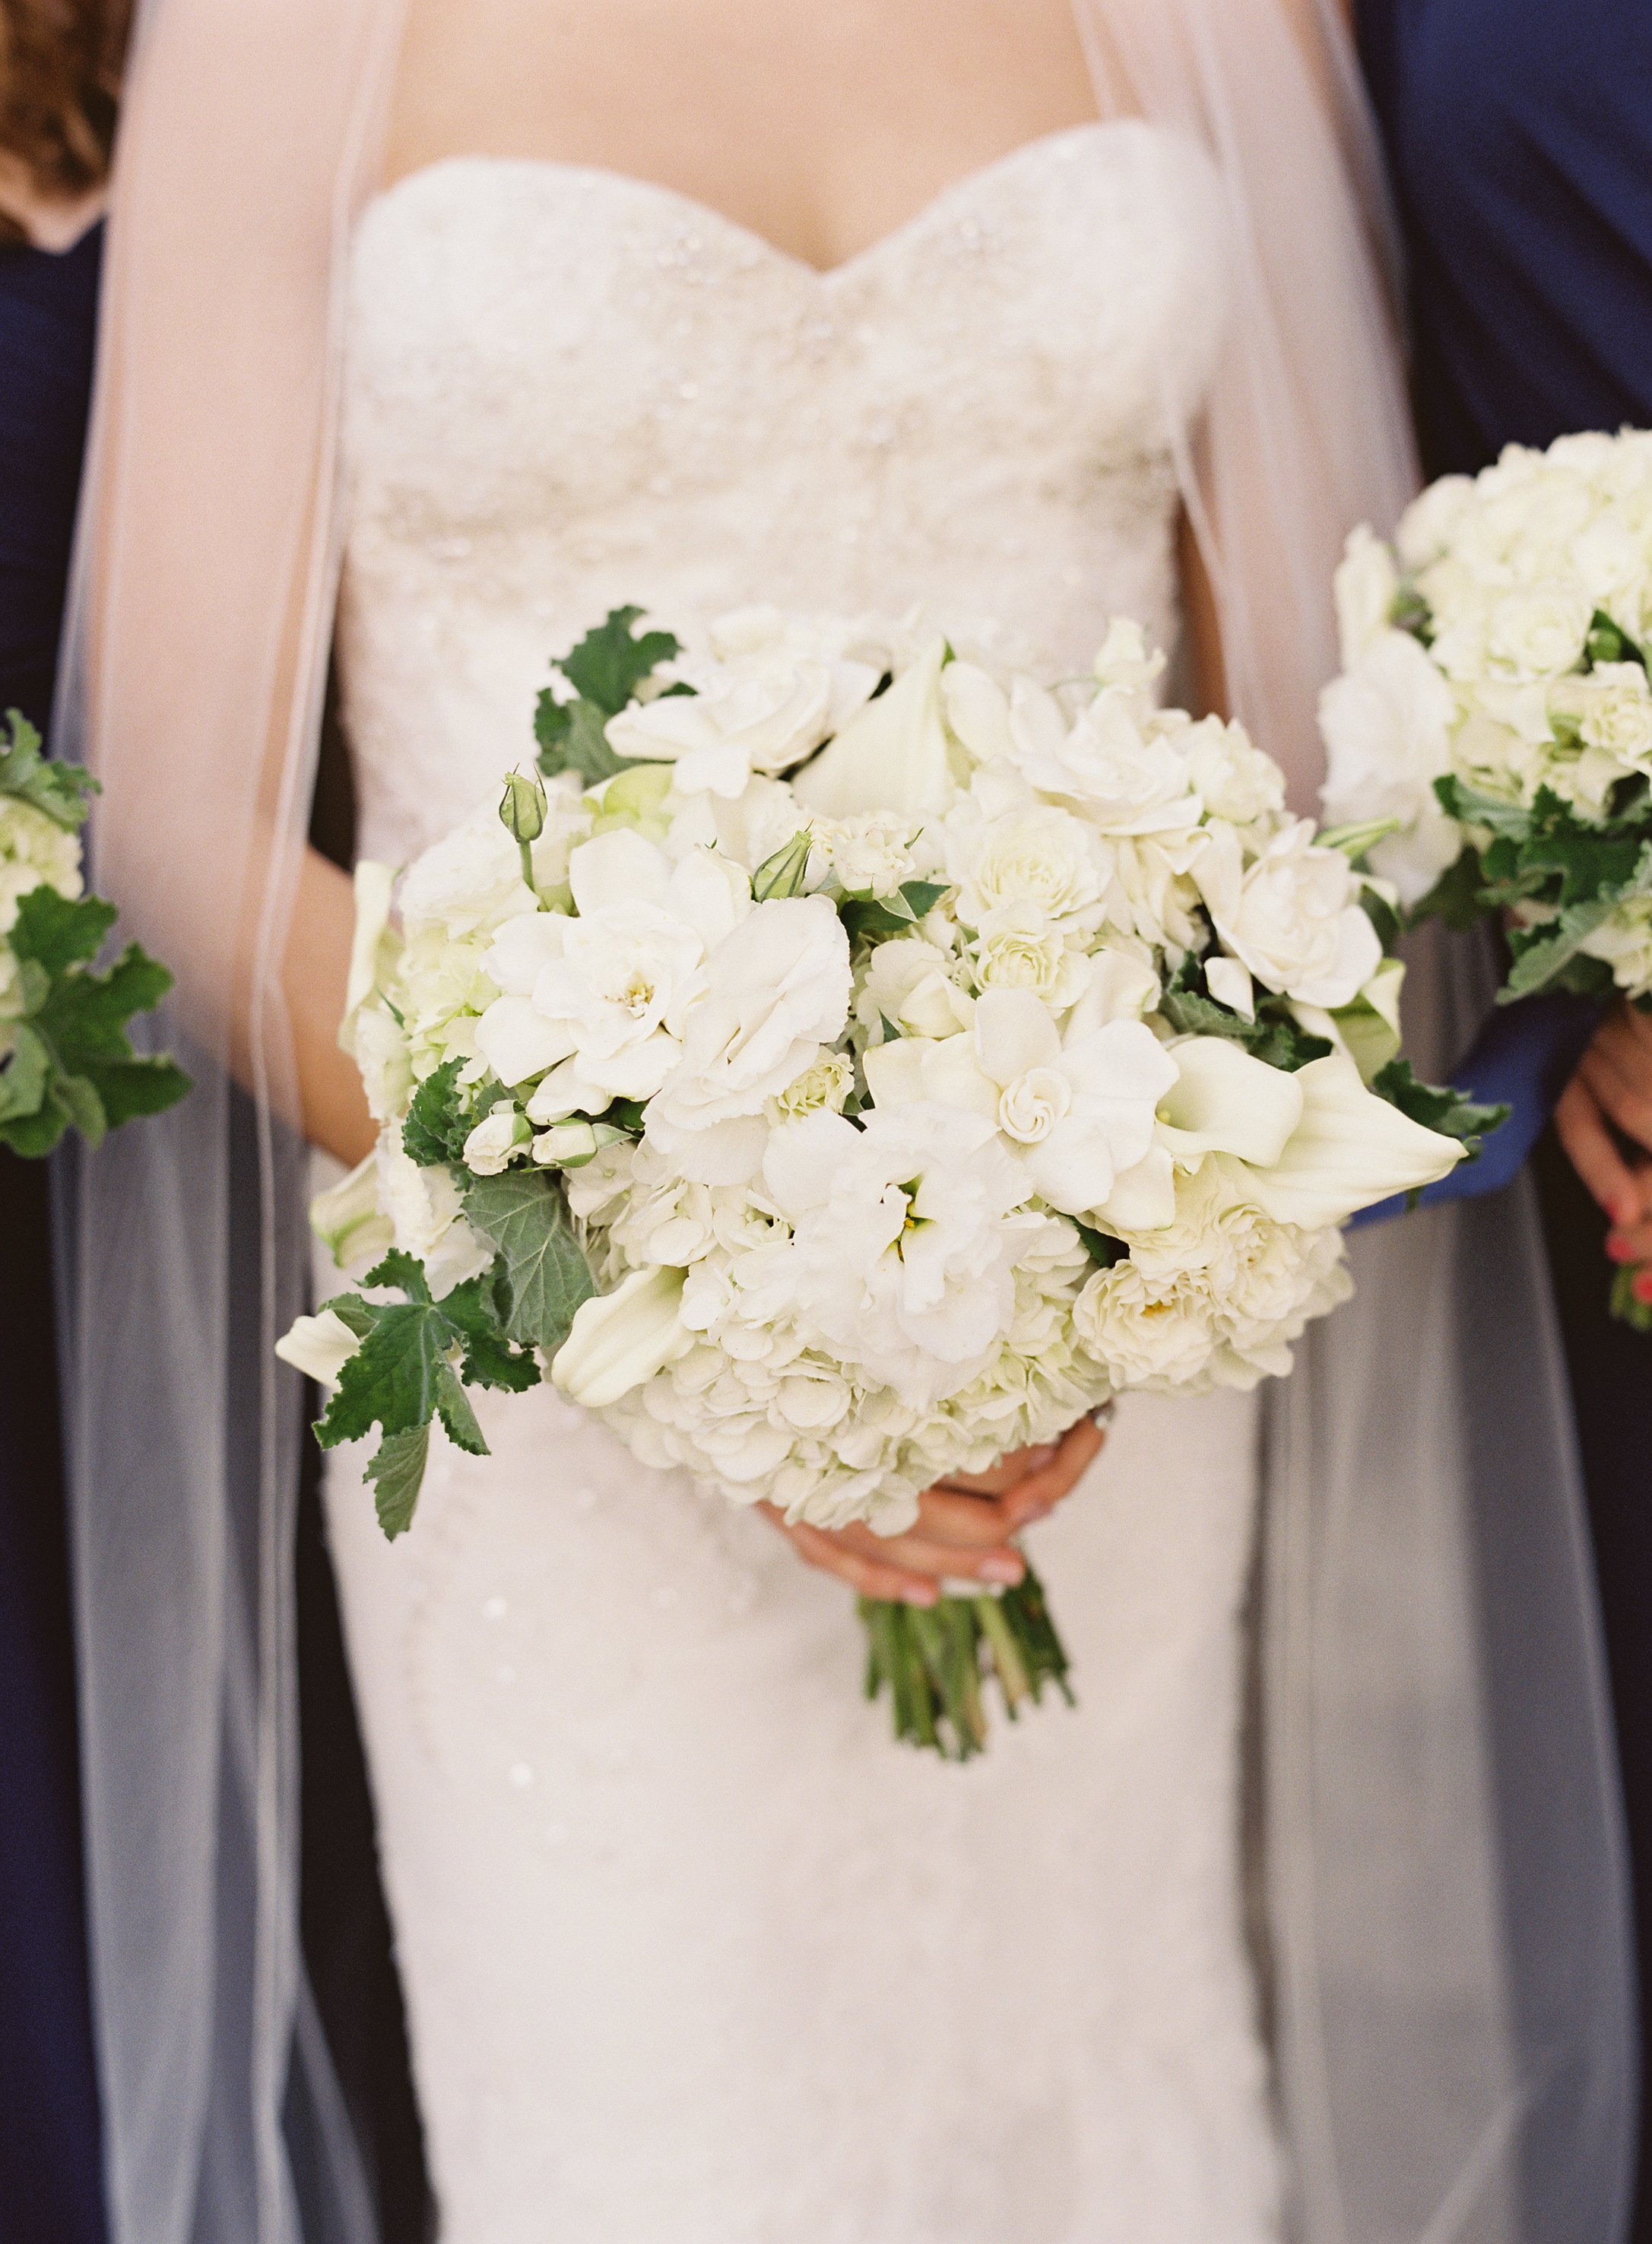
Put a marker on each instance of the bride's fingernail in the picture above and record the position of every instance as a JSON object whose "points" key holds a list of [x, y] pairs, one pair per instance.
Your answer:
{"points": [[918, 1593], [1619, 1249], [1033, 1461], [1007, 1571]]}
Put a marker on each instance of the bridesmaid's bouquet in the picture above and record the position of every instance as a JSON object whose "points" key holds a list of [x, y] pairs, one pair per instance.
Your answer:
{"points": [[847, 1059], [65, 1059], [1493, 722]]}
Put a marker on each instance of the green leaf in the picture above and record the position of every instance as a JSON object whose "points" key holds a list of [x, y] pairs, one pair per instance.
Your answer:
{"points": [[922, 897], [1275, 1036], [488, 1359], [1455, 897], [61, 791], [400, 1268], [24, 1076], [35, 1135], [609, 664], [1102, 1247], [1609, 642], [60, 931], [130, 1089], [438, 1120], [578, 743], [545, 1275], [1447, 1111], [1541, 954], [396, 1471], [1470, 807]]}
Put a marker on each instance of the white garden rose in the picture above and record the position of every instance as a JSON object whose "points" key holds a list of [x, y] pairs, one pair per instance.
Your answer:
{"points": [[1040, 856], [1150, 1332], [1386, 725], [776, 989], [35, 852], [1229, 773], [1123, 780], [1539, 631], [871, 854], [1018, 948], [1293, 917]]}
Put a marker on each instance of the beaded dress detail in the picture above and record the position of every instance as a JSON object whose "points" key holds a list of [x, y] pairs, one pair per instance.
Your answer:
{"points": [[693, 1953]]}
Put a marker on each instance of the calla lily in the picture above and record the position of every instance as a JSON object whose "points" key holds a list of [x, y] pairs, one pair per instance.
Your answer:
{"points": [[320, 1347], [893, 755], [620, 1339], [349, 1222], [1224, 1101], [1350, 1150], [373, 884]]}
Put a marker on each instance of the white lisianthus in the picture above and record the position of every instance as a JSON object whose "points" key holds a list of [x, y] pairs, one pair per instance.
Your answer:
{"points": [[620, 1339], [1293, 917], [905, 1244], [776, 989], [1387, 730], [826, 1082], [35, 853], [470, 882], [602, 1000]]}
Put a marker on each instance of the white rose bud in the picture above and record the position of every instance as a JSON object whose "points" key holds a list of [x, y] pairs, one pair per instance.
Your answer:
{"points": [[497, 1140]]}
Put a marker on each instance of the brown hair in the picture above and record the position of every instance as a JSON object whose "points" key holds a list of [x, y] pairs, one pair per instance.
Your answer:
{"points": [[60, 64]]}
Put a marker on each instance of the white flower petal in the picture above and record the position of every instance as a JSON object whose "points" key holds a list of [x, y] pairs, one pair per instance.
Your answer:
{"points": [[1226, 1101]]}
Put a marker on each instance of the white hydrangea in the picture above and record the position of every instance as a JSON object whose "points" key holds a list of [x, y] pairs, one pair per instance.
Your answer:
{"points": [[35, 852]]}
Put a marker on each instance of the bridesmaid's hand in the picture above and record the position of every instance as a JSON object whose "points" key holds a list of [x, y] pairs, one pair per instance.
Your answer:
{"points": [[1611, 1091], [963, 1528]]}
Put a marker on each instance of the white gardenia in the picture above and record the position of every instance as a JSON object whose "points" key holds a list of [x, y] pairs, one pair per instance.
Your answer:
{"points": [[843, 1030]]}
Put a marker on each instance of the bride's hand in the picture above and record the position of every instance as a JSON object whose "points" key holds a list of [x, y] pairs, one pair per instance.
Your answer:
{"points": [[963, 1528]]}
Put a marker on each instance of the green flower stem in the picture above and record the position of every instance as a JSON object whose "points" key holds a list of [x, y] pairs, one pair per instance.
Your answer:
{"points": [[933, 1661]]}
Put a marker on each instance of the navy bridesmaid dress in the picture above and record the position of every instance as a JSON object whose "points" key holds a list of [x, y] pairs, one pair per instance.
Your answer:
{"points": [[1520, 143], [50, 2179]]}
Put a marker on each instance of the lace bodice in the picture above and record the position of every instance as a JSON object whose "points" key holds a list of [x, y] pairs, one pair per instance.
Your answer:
{"points": [[693, 1954], [568, 390]]}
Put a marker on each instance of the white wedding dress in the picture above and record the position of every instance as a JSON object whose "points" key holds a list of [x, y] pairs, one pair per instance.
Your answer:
{"points": [[693, 1953]]}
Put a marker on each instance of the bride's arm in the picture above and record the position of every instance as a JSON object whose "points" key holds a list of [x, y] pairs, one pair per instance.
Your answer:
{"points": [[331, 1104]]}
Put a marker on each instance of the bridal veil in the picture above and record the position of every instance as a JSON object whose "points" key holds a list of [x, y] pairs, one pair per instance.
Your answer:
{"points": [[1449, 1959]]}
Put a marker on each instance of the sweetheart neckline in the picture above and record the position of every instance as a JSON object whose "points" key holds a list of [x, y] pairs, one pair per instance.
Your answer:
{"points": [[922, 221]]}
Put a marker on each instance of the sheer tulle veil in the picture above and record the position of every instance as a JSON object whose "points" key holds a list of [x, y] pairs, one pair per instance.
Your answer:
{"points": [[1449, 1965]]}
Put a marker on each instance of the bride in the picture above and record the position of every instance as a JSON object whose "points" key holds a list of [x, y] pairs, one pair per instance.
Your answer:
{"points": [[497, 318]]}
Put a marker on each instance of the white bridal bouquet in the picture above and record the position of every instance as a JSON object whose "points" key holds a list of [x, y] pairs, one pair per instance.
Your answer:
{"points": [[65, 1059], [847, 1060], [1495, 715]]}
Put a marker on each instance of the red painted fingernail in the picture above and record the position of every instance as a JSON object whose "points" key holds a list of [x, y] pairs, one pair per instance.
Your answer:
{"points": [[1643, 1287], [1619, 1248]]}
